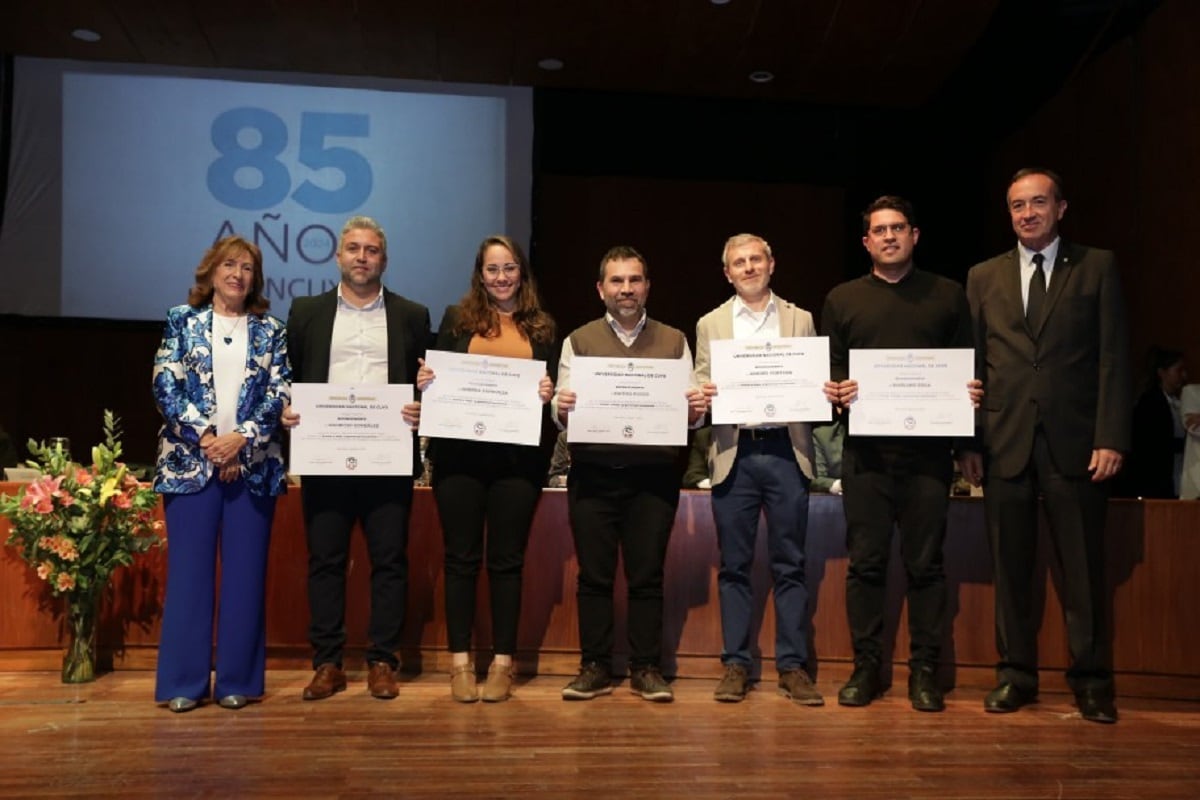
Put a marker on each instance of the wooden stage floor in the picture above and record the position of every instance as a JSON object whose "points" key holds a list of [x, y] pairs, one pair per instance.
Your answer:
{"points": [[107, 739]]}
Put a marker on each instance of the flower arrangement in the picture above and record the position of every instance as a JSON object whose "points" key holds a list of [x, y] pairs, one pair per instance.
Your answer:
{"points": [[75, 525]]}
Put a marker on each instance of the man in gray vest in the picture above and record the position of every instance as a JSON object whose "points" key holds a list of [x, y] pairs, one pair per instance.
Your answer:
{"points": [[622, 498]]}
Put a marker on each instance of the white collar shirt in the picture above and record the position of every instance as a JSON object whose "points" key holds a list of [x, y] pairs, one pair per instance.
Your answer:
{"points": [[1026, 255], [358, 350]]}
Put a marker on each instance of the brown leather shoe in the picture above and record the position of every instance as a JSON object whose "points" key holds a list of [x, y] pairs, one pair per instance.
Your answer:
{"points": [[463, 686], [498, 686], [796, 684], [327, 681], [381, 681]]}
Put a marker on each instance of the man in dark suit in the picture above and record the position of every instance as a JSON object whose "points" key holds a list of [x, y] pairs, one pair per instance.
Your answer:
{"points": [[359, 333], [1051, 338]]}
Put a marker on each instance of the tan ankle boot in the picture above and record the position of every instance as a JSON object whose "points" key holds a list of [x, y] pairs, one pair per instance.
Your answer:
{"points": [[462, 683], [498, 686]]}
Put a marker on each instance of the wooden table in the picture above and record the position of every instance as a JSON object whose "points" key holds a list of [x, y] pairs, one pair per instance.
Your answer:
{"points": [[1153, 569]]}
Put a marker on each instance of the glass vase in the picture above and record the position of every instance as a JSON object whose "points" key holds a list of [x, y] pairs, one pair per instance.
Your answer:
{"points": [[79, 659]]}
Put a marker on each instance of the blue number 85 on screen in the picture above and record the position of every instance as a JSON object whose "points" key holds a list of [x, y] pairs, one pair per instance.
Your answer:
{"points": [[315, 128]]}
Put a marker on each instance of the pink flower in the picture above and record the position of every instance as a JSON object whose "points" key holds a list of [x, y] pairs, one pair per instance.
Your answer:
{"points": [[40, 494], [44, 569], [65, 582], [83, 477], [122, 501], [65, 498]]}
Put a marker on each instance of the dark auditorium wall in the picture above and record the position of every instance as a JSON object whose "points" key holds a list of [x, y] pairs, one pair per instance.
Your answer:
{"points": [[1125, 133], [675, 176]]}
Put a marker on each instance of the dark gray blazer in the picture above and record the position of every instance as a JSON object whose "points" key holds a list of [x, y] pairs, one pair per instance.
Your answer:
{"points": [[1072, 373]]}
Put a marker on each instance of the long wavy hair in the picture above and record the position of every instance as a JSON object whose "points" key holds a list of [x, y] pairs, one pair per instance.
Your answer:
{"points": [[201, 293], [477, 314]]}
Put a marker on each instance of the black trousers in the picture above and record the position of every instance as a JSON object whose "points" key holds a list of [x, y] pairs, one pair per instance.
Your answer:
{"points": [[629, 511], [331, 507], [1075, 508], [493, 493], [912, 493]]}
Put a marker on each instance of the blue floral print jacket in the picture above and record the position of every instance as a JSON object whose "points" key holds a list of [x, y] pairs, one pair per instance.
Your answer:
{"points": [[183, 391]]}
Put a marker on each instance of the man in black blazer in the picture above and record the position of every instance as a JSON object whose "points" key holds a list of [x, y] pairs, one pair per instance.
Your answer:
{"points": [[358, 333], [1051, 337]]}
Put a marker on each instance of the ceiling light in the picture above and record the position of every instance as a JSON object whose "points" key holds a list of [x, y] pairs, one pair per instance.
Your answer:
{"points": [[719, 2], [85, 35], [551, 64], [762, 76]]}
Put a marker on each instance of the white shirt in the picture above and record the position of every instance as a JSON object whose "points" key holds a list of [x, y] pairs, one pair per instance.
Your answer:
{"points": [[1050, 252], [750, 324], [229, 367], [358, 349]]}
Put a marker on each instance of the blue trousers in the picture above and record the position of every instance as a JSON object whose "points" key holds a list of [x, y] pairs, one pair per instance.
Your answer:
{"points": [[765, 478], [224, 518]]}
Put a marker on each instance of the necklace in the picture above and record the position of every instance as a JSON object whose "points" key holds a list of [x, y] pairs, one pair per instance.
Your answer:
{"points": [[227, 334]]}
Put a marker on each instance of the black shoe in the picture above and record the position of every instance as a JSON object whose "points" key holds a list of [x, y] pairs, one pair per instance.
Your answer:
{"points": [[1008, 697], [863, 687], [1096, 705], [651, 685], [923, 690], [593, 680]]}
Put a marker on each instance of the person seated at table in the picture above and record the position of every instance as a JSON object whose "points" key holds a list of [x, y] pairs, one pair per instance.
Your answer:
{"points": [[697, 476], [1156, 461], [827, 455], [560, 463], [8, 451]]}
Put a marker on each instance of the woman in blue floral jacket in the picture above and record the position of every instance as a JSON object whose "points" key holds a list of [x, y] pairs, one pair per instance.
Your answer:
{"points": [[221, 379]]}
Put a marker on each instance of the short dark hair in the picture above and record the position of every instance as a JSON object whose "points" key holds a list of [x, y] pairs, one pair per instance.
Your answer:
{"points": [[623, 253], [1054, 177], [890, 202], [1160, 358]]}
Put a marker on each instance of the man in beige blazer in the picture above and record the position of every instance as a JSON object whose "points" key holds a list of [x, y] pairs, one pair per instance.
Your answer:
{"points": [[756, 468]]}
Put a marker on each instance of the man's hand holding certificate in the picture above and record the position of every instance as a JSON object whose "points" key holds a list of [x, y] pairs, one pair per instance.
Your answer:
{"points": [[919, 392], [630, 400], [351, 430], [770, 380], [482, 398]]}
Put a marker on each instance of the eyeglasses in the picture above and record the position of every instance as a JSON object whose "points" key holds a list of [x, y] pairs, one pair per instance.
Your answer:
{"points": [[896, 228], [509, 270]]}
